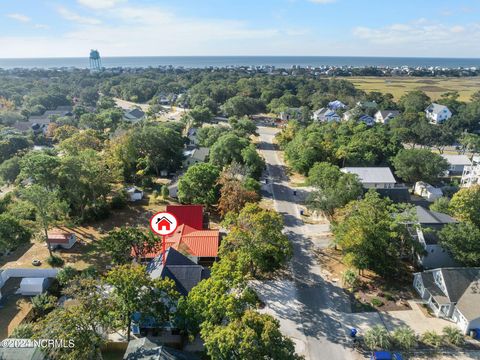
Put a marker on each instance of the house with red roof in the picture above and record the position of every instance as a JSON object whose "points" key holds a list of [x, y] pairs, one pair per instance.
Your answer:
{"points": [[58, 238], [191, 215]]}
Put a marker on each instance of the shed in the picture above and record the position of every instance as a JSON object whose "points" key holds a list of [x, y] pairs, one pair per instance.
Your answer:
{"points": [[134, 194], [427, 191], [58, 238], [33, 286]]}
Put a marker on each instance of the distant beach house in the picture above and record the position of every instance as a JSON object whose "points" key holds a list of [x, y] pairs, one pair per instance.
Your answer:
{"points": [[373, 177], [452, 293], [437, 113], [325, 115], [384, 116], [336, 105], [133, 115]]}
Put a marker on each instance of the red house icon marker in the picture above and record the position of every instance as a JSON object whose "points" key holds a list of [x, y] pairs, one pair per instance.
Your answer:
{"points": [[163, 224]]}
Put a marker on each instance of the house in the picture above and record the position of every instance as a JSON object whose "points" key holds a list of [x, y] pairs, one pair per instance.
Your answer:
{"points": [[367, 119], [37, 127], [200, 245], [192, 136], [336, 105], [427, 191], [191, 215], [195, 156], [58, 238], [350, 114], [291, 114], [452, 293], [373, 177], [437, 113], [457, 163], [178, 267], [425, 231], [133, 115], [134, 194], [325, 115], [384, 116], [147, 349]]}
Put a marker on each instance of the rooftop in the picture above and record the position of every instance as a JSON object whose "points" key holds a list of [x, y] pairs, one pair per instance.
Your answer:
{"points": [[457, 159], [372, 174]]}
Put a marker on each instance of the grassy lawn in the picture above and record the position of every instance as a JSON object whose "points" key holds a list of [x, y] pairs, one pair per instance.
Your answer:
{"points": [[433, 87]]}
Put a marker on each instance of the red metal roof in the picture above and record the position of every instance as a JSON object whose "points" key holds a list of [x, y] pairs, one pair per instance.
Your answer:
{"points": [[200, 243], [58, 236], [191, 215]]}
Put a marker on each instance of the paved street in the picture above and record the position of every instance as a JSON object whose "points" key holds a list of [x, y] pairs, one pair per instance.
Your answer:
{"points": [[320, 306]]}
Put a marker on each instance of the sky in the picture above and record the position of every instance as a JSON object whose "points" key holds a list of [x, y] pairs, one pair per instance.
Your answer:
{"points": [[70, 28]]}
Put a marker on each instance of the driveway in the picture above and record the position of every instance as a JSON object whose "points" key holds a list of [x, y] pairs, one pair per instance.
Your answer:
{"points": [[316, 317]]}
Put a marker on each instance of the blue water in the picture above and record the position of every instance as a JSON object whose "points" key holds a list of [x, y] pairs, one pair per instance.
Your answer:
{"points": [[223, 61]]}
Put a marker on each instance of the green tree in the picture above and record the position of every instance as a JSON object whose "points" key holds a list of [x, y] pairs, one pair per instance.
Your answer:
{"points": [[243, 126], [200, 114], [441, 205], [333, 188], [87, 139], [43, 303], [462, 240], [165, 192], [48, 207], [253, 336], [414, 101], [134, 291], [252, 161], [41, 168], [242, 105], [465, 205], [199, 185], [67, 274], [256, 235], [208, 135], [127, 243], [227, 149], [10, 169], [368, 234], [414, 165], [12, 233]]}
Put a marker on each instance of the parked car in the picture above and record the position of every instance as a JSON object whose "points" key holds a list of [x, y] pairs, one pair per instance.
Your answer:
{"points": [[385, 355]]}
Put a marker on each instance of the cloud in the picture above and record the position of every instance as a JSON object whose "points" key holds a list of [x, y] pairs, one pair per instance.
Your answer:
{"points": [[71, 16], [427, 37], [19, 17], [100, 4]]}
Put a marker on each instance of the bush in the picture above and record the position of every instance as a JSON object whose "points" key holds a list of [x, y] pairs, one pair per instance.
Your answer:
{"points": [[350, 278], [453, 336], [66, 274], [55, 261], [376, 302], [42, 304], [100, 211], [119, 200], [165, 192], [89, 273], [22, 331], [377, 338], [405, 338], [431, 338]]}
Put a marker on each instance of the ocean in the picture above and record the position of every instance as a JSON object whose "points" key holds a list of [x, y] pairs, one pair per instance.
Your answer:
{"points": [[224, 61]]}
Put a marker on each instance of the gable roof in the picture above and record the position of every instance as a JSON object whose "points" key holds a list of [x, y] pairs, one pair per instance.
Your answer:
{"points": [[58, 236], [454, 159], [428, 217], [388, 113], [435, 108], [200, 154], [183, 271], [191, 215], [463, 288], [33, 353], [146, 349], [199, 243], [372, 174]]}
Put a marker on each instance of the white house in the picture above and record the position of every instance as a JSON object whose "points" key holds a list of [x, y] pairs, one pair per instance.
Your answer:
{"points": [[58, 238], [425, 230], [373, 177], [457, 163], [134, 194], [452, 293], [437, 113], [325, 115], [427, 191], [384, 116]]}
